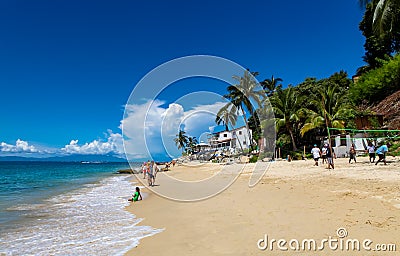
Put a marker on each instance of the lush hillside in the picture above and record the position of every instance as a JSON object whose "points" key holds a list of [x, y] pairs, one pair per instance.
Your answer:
{"points": [[377, 84]]}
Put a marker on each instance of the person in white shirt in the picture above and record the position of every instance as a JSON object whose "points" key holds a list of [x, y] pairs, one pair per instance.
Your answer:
{"points": [[316, 152], [371, 152], [323, 153], [155, 170]]}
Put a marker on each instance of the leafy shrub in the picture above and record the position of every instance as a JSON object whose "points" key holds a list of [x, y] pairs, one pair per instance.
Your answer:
{"points": [[377, 84], [395, 148]]}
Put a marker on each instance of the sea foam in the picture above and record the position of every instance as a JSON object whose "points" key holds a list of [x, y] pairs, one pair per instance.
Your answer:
{"points": [[87, 221]]}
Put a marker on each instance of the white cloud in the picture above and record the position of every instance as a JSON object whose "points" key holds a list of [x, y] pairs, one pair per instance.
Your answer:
{"points": [[113, 145], [203, 117], [149, 128], [19, 147]]}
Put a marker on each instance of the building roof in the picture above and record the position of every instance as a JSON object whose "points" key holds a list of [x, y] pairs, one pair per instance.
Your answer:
{"points": [[202, 144], [241, 127]]}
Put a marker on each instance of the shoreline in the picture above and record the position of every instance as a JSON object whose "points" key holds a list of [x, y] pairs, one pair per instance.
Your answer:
{"points": [[88, 218], [293, 200]]}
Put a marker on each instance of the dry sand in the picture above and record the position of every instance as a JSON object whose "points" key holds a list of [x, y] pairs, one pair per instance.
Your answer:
{"points": [[294, 200]]}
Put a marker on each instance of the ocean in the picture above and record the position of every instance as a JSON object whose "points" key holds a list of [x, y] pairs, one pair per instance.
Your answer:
{"points": [[58, 208]]}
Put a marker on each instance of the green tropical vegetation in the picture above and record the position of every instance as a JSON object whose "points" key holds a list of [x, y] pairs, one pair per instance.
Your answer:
{"points": [[381, 28], [191, 144], [305, 111], [181, 140], [286, 105], [385, 18], [227, 116], [377, 84], [240, 98], [185, 142]]}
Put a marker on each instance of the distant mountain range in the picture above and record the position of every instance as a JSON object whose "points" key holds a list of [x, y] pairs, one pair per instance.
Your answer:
{"points": [[71, 158]]}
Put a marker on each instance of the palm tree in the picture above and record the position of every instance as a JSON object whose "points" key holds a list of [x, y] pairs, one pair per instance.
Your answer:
{"points": [[181, 140], [331, 106], [271, 85], [386, 15], [286, 105], [241, 94], [227, 115], [191, 143]]}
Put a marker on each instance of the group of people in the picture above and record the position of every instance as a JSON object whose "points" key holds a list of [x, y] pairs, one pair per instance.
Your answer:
{"points": [[150, 170], [327, 153], [381, 152]]}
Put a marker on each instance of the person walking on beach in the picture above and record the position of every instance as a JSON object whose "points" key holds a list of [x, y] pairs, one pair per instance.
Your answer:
{"points": [[150, 174], [352, 153], [316, 152], [144, 169], [381, 152], [136, 196], [323, 153], [155, 171], [371, 152], [329, 156]]}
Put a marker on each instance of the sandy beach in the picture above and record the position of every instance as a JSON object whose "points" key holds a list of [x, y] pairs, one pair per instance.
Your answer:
{"points": [[294, 200]]}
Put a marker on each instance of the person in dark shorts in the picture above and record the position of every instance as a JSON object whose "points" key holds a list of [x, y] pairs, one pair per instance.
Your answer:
{"points": [[381, 152], [316, 154], [329, 156], [352, 153], [371, 152]]}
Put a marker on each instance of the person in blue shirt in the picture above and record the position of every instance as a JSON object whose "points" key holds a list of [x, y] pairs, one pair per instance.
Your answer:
{"points": [[381, 152]]}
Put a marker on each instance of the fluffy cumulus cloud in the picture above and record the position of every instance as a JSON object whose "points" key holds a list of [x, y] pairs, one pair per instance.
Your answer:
{"points": [[112, 145], [19, 147], [149, 128]]}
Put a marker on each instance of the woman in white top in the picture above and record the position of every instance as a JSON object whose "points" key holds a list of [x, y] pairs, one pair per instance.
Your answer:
{"points": [[371, 152]]}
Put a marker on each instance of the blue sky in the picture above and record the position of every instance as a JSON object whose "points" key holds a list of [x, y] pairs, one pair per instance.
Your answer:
{"points": [[67, 68]]}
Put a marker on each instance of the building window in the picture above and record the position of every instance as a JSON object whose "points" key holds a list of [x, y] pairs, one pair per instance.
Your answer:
{"points": [[240, 132], [244, 142], [225, 135]]}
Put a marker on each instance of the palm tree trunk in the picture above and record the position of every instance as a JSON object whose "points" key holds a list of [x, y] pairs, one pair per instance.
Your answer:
{"points": [[291, 135], [247, 127]]}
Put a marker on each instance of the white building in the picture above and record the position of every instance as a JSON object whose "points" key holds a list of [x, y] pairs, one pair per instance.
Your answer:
{"points": [[341, 143], [236, 139]]}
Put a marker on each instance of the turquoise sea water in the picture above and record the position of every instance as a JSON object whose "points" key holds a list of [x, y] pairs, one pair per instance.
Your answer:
{"points": [[57, 208]]}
